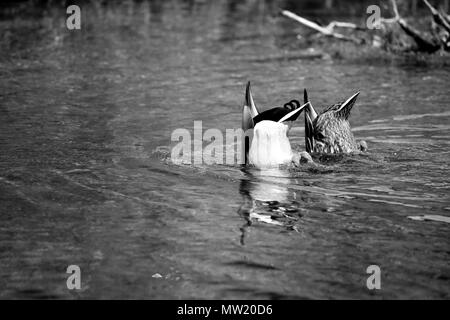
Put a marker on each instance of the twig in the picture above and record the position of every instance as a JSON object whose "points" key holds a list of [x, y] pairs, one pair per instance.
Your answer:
{"points": [[388, 20], [324, 30], [444, 15], [395, 9], [340, 24], [423, 42]]}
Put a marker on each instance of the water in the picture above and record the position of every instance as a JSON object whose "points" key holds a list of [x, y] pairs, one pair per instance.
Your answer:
{"points": [[85, 124]]}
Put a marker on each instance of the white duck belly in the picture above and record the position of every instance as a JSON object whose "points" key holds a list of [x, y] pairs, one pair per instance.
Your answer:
{"points": [[270, 145]]}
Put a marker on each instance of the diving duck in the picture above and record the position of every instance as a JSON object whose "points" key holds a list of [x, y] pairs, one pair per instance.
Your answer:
{"points": [[269, 145], [329, 131], [326, 132]]}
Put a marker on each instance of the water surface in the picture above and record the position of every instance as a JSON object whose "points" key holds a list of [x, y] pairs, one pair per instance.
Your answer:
{"points": [[85, 124]]}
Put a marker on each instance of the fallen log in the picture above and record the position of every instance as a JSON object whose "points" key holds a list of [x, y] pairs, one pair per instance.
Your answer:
{"points": [[423, 41], [340, 24], [446, 16], [439, 38], [327, 31], [438, 17]]}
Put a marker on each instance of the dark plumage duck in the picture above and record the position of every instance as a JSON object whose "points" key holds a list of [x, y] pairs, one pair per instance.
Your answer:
{"points": [[329, 131]]}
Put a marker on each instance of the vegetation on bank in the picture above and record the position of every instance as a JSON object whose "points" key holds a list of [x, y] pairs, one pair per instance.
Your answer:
{"points": [[424, 39]]}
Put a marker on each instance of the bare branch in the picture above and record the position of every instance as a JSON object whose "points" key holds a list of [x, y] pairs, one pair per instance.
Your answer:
{"points": [[445, 16], [423, 42], [438, 18], [328, 31], [348, 25], [395, 9]]}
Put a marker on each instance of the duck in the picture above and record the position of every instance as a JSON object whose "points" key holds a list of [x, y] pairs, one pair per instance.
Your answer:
{"points": [[269, 144], [329, 131]]}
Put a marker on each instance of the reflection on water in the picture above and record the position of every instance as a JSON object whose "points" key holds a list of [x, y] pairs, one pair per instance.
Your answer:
{"points": [[85, 125], [265, 198]]}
